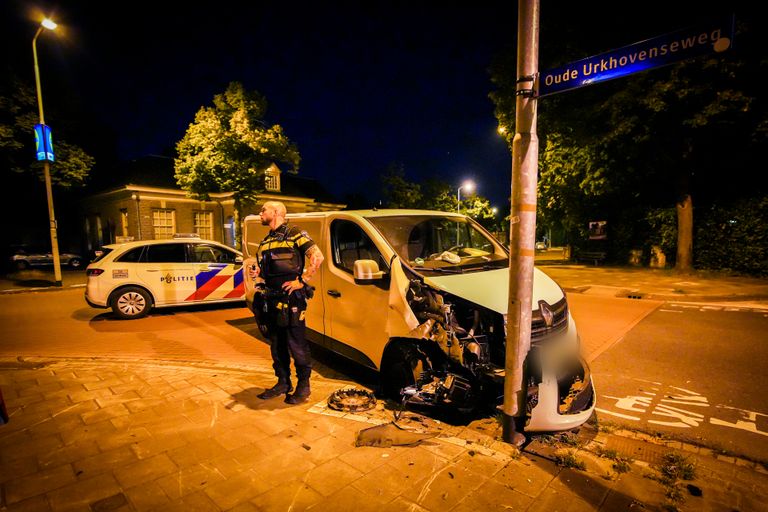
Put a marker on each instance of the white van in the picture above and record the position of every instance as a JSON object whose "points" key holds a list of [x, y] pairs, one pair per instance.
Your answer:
{"points": [[421, 297]]}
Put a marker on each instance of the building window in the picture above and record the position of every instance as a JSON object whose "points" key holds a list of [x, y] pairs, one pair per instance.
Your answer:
{"points": [[272, 179], [163, 223], [204, 224]]}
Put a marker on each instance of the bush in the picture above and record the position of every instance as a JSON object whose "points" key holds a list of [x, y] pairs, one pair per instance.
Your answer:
{"points": [[733, 237]]}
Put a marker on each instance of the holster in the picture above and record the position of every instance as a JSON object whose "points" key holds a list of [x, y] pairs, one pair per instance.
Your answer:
{"points": [[282, 313], [260, 312]]}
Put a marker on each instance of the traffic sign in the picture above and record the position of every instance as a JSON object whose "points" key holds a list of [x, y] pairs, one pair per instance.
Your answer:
{"points": [[715, 36]]}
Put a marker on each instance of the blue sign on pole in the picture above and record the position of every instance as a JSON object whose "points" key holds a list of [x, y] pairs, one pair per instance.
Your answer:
{"points": [[43, 143], [683, 44]]}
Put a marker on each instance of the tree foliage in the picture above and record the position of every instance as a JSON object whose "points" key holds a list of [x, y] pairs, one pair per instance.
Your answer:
{"points": [[229, 147], [433, 194], [397, 191], [618, 151], [18, 116]]}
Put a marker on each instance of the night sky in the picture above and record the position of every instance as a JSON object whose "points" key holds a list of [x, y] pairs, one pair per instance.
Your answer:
{"points": [[356, 86]]}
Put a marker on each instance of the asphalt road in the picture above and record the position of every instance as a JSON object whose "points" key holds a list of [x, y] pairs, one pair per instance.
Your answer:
{"points": [[692, 372]]}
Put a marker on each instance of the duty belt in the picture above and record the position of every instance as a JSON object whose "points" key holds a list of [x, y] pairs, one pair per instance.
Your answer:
{"points": [[275, 294]]}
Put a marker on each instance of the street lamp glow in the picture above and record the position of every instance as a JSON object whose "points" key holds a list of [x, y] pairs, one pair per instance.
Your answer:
{"points": [[50, 25], [469, 186]]}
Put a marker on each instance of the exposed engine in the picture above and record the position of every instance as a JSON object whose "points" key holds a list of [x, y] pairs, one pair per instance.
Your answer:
{"points": [[461, 349]]}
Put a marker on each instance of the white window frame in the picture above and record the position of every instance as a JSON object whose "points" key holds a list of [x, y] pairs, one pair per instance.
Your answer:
{"points": [[163, 223], [203, 222], [272, 179]]}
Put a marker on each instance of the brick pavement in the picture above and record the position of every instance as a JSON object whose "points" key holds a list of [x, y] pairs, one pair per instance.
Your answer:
{"points": [[104, 435]]}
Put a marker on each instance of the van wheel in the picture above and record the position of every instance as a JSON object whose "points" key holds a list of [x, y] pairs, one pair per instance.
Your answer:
{"points": [[403, 367], [130, 302]]}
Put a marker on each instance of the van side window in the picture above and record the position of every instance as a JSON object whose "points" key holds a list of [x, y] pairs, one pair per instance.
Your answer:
{"points": [[349, 243]]}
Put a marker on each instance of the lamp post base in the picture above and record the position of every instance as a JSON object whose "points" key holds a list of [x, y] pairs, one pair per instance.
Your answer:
{"points": [[509, 432]]}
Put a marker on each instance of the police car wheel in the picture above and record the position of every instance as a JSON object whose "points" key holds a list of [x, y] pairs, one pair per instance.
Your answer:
{"points": [[130, 302]]}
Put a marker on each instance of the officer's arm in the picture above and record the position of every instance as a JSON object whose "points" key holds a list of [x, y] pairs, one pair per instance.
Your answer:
{"points": [[314, 258]]}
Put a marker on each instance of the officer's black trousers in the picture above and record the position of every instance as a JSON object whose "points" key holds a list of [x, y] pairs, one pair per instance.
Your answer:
{"points": [[290, 341]]}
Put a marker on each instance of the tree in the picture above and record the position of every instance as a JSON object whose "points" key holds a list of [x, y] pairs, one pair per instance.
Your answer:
{"points": [[399, 192], [229, 147], [438, 195], [18, 115], [647, 141]]}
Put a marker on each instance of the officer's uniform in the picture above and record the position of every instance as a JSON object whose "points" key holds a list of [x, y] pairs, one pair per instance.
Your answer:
{"points": [[281, 258]]}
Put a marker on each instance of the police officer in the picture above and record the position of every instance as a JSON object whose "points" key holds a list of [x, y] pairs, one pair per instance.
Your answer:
{"points": [[287, 259]]}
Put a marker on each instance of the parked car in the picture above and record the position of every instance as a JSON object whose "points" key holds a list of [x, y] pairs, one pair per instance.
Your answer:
{"points": [[421, 297], [27, 257], [541, 246], [135, 277]]}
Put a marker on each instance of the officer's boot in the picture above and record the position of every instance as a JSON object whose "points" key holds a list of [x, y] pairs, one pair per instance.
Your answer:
{"points": [[301, 394], [283, 386]]}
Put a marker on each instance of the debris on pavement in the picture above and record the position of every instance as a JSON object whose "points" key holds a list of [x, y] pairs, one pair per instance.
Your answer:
{"points": [[390, 434]]}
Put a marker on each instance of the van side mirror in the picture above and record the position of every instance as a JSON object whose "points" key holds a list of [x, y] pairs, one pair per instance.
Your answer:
{"points": [[367, 271]]}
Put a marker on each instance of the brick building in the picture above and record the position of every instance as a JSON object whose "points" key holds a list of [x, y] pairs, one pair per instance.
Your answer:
{"points": [[150, 206]]}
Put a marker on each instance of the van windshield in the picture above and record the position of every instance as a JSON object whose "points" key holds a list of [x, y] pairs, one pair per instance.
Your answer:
{"points": [[434, 242]]}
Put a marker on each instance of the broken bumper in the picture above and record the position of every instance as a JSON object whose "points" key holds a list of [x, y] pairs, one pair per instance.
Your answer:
{"points": [[563, 405]]}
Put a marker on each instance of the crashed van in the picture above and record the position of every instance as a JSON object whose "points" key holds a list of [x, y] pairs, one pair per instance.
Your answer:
{"points": [[421, 297]]}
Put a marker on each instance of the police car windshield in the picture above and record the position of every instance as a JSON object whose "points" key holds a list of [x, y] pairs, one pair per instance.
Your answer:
{"points": [[438, 243]]}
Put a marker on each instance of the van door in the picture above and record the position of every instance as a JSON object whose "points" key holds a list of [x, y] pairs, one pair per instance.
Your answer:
{"points": [[356, 314]]}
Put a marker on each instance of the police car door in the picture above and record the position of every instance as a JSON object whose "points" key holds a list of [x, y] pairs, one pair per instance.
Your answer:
{"points": [[218, 274], [356, 313], [165, 269]]}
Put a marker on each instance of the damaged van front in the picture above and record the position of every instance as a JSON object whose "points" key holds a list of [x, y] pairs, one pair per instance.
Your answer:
{"points": [[422, 297]]}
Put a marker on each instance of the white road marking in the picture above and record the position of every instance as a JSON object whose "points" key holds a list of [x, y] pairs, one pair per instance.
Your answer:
{"points": [[670, 406]]}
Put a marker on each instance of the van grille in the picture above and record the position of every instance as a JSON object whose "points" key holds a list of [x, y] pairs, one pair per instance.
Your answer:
{"points": [[549, 319]]}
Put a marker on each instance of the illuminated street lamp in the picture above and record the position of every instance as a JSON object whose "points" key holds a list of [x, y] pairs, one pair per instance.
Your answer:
{"points": [[469, 186], [50, 25]]}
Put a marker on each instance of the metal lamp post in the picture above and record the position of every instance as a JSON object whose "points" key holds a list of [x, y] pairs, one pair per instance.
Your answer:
{"points": [[50, 25], [469, 187]]}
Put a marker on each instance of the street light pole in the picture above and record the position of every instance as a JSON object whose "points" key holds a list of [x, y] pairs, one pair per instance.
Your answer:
{"points": [[50, 25], [467, 185]]}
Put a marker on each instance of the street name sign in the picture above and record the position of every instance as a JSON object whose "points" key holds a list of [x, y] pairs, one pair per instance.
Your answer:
{"points": [[715, 36]]}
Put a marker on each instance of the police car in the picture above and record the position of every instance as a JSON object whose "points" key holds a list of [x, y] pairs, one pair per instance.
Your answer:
{"points": [[135, 277]]}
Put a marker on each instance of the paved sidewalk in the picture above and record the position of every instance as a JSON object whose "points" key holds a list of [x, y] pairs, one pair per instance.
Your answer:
{"points": [[116, 435]]}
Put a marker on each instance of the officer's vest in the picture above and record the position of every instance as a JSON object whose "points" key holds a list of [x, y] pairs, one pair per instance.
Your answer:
{"points": [[279, 254]]}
